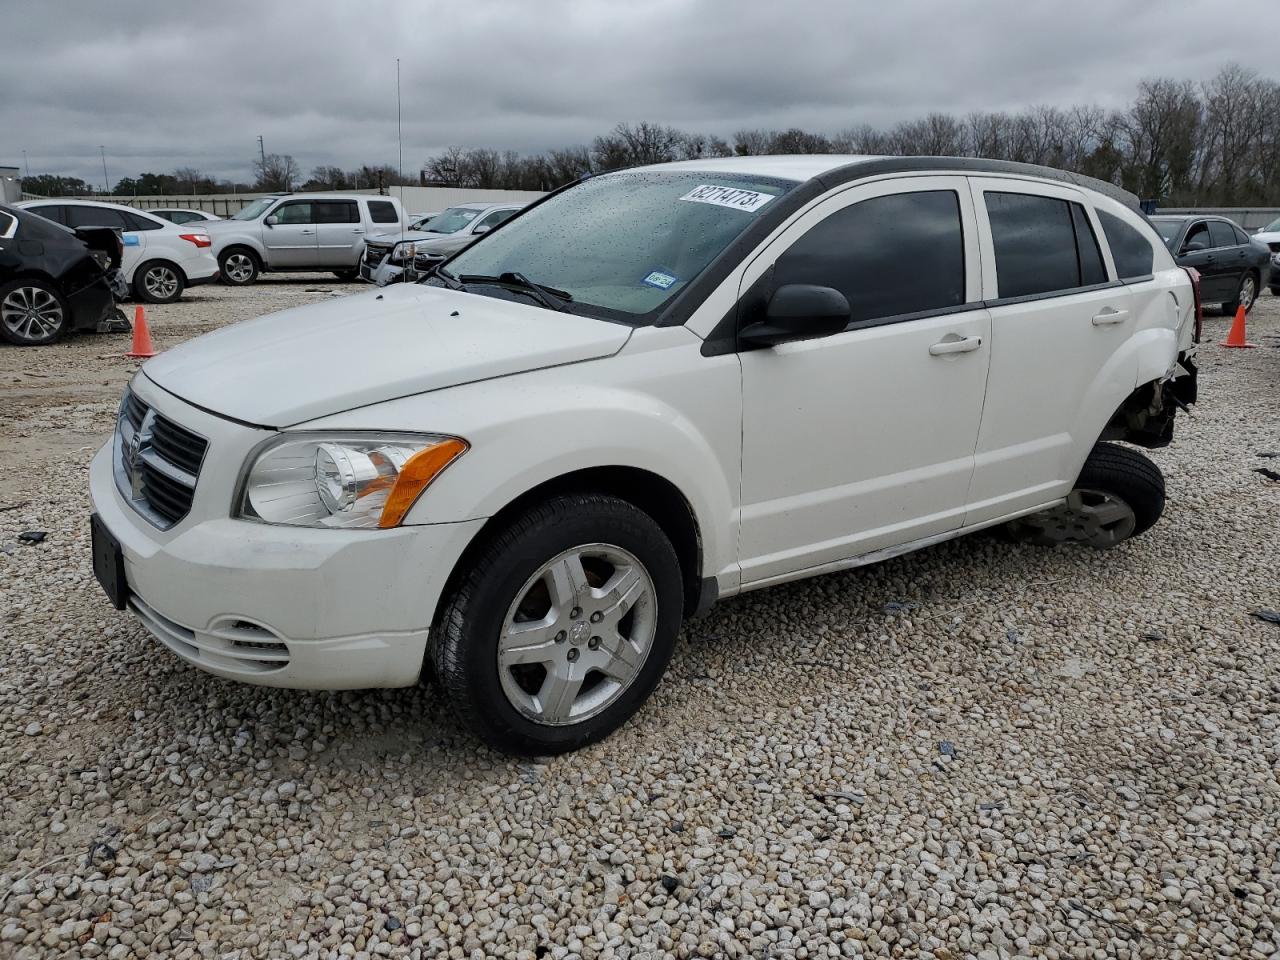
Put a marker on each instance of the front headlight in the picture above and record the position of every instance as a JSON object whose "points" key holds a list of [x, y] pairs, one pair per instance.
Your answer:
{"points": [[361, 481], [403, 252]]}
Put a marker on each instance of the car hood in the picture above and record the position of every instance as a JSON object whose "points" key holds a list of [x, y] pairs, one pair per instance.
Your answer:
{"points": [[416, 236], [1268, 237], [296, 365]]}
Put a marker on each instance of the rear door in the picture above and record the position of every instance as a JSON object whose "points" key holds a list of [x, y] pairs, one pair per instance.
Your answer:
{"points": [[291, 239], [339, 233], [1232, 254], [1057, 317], [1216, 273]]}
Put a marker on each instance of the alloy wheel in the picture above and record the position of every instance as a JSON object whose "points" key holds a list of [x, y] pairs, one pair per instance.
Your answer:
{"points": [[160, 282], [31, 313], [1248, 293], [238, 267], [577, 634]]}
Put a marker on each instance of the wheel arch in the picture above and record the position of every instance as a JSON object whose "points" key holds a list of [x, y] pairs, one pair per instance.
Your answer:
{"points": [[654, 494]]}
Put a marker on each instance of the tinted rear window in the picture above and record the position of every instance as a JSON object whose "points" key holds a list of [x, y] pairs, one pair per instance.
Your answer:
{"points": [[1042, 245], [336, 211], [875, 253], [383, 211], [1131, 251], [96, 217], [1222, 233], [54, 212]]}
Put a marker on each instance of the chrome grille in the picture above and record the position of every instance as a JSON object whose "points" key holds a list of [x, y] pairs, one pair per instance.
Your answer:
{"points": [[157, 462]]}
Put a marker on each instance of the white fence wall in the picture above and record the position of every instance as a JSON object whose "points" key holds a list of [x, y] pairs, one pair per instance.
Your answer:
{"points": [[1251, 218], [414, 199]]}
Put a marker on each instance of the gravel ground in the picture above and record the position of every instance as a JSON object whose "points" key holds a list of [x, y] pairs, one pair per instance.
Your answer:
{"points": [[975, 751]]}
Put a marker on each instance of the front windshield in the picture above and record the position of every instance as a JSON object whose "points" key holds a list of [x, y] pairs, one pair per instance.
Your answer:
{"points": [[453, 219], [1167, 228], [422, 223], [626, 242], [254, 210]]}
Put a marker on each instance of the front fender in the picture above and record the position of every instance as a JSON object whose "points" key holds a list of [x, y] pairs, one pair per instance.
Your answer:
{"points": [[658, 406]]}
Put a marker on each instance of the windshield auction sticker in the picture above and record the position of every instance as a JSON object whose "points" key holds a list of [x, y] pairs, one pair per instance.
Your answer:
{"points": [[734, 197]]}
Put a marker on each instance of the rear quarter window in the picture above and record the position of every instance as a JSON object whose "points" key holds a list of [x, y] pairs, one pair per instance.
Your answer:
{"points": [[7, 225], [383, 211], [1132, 252]]}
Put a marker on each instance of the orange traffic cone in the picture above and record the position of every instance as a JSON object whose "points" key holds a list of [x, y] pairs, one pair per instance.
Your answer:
{"points": [[142, 346], [1236, 337]]}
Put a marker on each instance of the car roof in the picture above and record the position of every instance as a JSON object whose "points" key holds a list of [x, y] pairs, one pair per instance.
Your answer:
{"points": [[831, 169], [67, 201]]}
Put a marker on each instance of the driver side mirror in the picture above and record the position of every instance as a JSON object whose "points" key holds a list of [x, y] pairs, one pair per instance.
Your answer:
{"points": [[272, 220], [482, 228], [799, 311]]}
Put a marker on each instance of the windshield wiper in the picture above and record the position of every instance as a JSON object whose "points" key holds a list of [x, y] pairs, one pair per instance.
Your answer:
{"points": [[450, 281], [549, 297]]}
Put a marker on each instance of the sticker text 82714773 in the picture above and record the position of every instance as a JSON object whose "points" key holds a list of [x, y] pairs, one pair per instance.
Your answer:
{"points": [[734, 197]]}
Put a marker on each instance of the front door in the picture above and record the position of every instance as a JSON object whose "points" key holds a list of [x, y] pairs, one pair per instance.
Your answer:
{"points": [[864, 440], [291, 239], [1218, 273], [339, 233]]}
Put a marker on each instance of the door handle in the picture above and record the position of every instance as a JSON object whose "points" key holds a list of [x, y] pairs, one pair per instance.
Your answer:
{"points": [[357, 230], [961, 345], [1110, 316], [306, 233]]}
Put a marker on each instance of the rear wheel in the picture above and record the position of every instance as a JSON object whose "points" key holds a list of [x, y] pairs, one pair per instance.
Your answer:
{"points": [[158, 281], [32, 312], [562, 626], [1246, 296], [238, 266], [1119, 495]]}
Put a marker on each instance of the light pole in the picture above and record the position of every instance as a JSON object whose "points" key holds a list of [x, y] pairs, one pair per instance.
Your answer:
{"points": [[26, 164], [106, 182]]}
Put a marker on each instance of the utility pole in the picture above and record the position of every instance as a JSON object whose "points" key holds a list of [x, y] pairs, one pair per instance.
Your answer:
{"points": [[106, 182], [26, 164], [399, 134], [262, 154]]}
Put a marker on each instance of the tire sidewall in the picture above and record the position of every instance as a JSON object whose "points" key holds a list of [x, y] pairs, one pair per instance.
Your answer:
{"points": [[140, 286], [495, 590], [6, 289]]}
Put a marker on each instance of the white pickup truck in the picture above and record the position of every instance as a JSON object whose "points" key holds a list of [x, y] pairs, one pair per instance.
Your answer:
{"points": [[301, 232]]}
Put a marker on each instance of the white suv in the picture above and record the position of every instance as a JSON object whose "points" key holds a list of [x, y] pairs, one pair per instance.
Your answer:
{"points": [[161, 259], [653, 389]]}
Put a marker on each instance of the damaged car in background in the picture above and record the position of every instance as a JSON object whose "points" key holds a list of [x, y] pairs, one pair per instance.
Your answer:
{"points": [[392, 257], [54, 280]]}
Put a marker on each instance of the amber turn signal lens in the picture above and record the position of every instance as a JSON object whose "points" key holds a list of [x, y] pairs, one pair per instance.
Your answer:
{"points": [[416, 474]]}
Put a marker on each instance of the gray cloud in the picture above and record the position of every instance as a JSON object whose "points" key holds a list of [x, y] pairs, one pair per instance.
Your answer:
{"points": [[173, 85]]}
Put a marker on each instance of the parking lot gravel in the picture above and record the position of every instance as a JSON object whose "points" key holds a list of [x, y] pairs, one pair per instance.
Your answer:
{"points": [[978, 750]]}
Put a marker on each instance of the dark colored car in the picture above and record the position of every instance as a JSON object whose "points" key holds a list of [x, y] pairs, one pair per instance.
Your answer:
{"points": [[53, 279], [1233, 267]]}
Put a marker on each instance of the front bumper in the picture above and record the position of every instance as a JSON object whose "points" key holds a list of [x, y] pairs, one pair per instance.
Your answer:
{"points": [[384, 273], [279, 606]]}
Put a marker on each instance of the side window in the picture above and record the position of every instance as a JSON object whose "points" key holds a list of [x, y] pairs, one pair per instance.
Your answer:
{"points": [[493, 219], [1131, 251], [295, 211], [1222, 234], [1092, 269], [141, 223], [336, 211], [96, 217], [1241, 236], [1197, 238], [55, 212], [8, 225], [875, 253], [383, 211], [1034, 239], [179, 216]]}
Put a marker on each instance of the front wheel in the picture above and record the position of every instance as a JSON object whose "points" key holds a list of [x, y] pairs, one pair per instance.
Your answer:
{"points": [[562, 626], [1119, 495], [158, 281]]}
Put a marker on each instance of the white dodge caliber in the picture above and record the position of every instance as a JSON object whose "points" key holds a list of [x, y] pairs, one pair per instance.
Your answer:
{"points": [[650, 390]]}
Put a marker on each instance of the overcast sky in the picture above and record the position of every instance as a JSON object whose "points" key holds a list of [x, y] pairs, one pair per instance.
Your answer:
{"points": [[163, 85]]}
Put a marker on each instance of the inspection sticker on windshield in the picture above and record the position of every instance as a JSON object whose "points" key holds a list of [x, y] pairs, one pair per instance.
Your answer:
{"points": [[734, 197], [662, 281]]}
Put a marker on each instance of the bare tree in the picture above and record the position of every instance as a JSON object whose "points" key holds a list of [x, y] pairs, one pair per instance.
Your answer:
{"points": [[276, 173]]}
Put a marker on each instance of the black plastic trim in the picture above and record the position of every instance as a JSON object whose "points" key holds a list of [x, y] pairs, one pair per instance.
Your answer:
{"points": [[708, 594], [1052, 294]]}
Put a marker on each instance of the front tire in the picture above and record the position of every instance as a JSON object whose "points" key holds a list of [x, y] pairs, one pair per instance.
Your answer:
{"points": [[158, 281], [1246, 296], [32, 313], [238, 266], [561, 627], [1119, 495]]}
